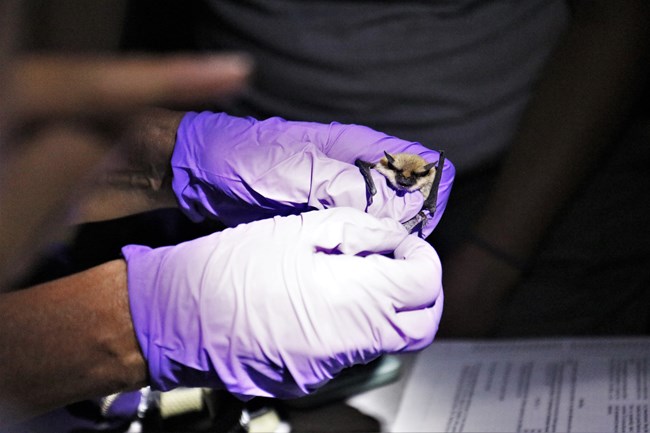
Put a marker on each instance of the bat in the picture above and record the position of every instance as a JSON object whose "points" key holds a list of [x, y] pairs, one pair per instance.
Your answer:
{"points": [[407, 172]]}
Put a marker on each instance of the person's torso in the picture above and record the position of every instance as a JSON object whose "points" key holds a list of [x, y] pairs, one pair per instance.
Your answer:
{"points": [[454, 75]]}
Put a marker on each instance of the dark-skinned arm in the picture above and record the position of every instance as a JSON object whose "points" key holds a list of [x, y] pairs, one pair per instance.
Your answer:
{"points": [[65, 341], [136, 177]]}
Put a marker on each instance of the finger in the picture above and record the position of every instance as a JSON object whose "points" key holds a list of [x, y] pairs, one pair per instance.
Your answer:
{"points": [[413, 278], [353, 232], [63, 86], [418, 328]]}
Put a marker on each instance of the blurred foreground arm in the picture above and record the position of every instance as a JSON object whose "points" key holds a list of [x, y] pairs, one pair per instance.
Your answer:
{"points": [[61, 116]]}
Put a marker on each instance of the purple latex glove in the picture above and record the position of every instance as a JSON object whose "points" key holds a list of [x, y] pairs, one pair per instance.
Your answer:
{"points": [[241, 169], [277, 307]]}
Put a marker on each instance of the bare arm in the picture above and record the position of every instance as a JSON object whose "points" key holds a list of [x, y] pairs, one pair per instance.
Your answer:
{"points": [[137, 175], [65, 341], [587, 90]]}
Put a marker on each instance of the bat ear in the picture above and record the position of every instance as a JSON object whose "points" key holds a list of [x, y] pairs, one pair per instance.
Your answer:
{"points": [[429, 166], [389, 157]]}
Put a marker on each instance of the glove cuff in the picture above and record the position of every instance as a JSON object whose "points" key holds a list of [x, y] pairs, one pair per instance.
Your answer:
{"points": [[141, 300], [183, 168]]}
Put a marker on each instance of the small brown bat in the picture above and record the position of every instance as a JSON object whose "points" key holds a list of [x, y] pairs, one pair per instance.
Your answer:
{"points": [[407, 172]]}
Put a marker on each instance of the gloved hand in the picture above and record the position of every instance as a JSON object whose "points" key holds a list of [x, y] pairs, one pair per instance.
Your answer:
{"points": [[240, 170], [277, 307]]}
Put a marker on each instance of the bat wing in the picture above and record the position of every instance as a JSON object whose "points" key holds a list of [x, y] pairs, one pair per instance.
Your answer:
{"points": [[364, 168], [431, 201]]}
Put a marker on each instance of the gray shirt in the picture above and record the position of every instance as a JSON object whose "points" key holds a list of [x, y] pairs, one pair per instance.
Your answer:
{"points": [[451, 74]]}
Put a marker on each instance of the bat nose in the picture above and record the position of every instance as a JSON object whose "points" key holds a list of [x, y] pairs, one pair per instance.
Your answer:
{"points": [[406, 181]]}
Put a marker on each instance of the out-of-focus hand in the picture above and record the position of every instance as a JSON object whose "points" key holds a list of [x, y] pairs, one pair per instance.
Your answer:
{"points": [[278, 307], [59, 116], [241, 169], [476, 287]]}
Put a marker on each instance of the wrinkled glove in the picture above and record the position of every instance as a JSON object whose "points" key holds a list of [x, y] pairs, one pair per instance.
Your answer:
{"points": [[278, 307], [241, 169]]}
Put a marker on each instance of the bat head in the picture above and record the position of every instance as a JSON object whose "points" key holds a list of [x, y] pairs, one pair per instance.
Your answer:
{"points": [[407, 172]]}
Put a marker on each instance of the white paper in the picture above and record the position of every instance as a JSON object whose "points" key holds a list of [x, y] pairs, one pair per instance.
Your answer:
{"points": [[528, 386]]}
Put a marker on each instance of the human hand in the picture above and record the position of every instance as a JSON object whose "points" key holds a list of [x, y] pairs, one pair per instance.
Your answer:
{"points": [[241, 170], [60, 116], [278, 307]]}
